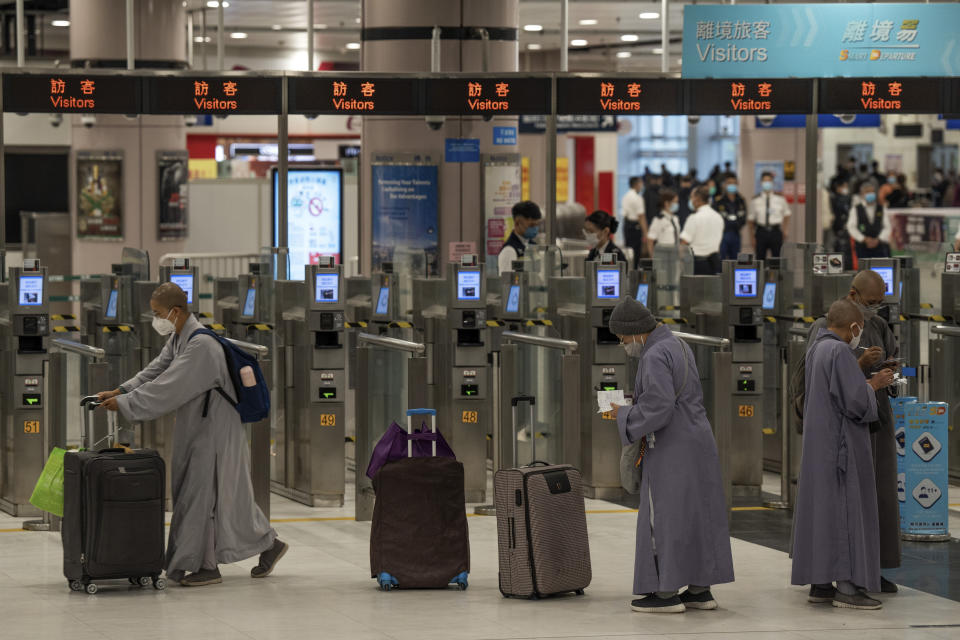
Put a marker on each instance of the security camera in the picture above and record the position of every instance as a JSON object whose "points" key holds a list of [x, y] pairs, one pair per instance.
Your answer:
{"points": [[846, 118], [693, 119], [56, 119], [435, 122], [310, 116], [88, 120], [190, 121], [766, 120]]}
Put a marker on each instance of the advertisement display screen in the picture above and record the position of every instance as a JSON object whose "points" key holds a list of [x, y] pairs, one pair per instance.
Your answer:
{"points": [[314, 216], [468, 285], [887, 274], [31, 291], [513, 300], [643, 293], [745, 283], [185, 282], [327, 288], [769, 295], [250, 303], [112, 304], [608, 283], [383, 301]]}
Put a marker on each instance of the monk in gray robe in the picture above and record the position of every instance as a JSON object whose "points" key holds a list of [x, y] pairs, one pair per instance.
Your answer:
{"points": [[683, 539], [215, 518], [836, 535], [877, 350]]}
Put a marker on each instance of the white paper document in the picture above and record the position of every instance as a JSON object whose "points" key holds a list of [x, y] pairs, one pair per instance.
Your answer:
{"points": [[606, 398]]}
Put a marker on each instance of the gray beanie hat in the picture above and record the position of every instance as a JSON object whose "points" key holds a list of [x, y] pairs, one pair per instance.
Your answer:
{"points": [[631, 318]]}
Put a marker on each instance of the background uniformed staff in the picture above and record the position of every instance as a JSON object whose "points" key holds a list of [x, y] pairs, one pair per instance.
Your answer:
{"points": [[768, 219]]}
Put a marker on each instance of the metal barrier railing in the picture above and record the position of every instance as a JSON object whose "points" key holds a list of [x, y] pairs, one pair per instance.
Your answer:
{"points": [[392, 343], [567, 346], [212, 266], [943, 330]]}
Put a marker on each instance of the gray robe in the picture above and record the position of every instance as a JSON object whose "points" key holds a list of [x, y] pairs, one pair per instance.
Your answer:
{"points": [[215, 519], [687, 521], [835, 530], [877, 333]]}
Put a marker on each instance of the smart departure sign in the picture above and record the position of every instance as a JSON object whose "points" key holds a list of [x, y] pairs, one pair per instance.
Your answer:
{"points": [[510, 95], [217, 95], [749, 96], [881, 95], [619, 96], [70, 93], [354, 95]]}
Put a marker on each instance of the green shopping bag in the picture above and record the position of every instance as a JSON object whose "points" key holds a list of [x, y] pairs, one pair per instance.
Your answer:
{"points": [[48, 494]]}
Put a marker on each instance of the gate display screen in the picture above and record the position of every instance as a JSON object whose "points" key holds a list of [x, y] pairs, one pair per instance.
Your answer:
{"points": [[769, 295], [31, 291], [513, 300], [608, 283], [468, 285], [327, 288], [745, 283], [185, 282], [643, 293], [250, 303], [887, 274], [112, 304], [383, 301]]}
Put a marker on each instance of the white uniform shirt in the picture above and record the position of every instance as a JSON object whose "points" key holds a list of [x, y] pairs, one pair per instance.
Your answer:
{"points": [[769, 209], [631, 206], [703, 231], [853, 224], [664, 229], [507, 255]]}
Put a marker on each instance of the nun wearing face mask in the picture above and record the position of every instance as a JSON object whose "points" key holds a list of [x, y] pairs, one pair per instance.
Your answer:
{"points": [[836, 531], [598, 230], [683, 542], [215, 518]]}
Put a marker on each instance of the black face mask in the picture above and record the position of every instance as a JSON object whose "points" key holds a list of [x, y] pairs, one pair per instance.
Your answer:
{"points": [[884, 312]]}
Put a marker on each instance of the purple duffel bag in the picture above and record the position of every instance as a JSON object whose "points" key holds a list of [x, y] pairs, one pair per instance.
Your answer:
{"points": [[393, 446]]}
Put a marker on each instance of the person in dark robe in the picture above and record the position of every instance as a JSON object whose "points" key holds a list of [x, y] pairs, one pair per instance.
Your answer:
{"points": [[215, 518], [878, 349], [836, 531], [682, 535]]}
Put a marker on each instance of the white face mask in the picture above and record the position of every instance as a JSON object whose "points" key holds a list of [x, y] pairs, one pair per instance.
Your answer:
{"points": [[592, 238], [856, 339], [164, 326], [634, 349]]}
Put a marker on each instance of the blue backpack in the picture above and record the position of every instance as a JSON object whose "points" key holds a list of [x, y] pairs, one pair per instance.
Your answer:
{"points": [[253, 403]]}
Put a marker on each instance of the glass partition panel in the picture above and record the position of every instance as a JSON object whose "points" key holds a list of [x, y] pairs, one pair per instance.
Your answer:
{"points": [[542, 440], [386, 397]]}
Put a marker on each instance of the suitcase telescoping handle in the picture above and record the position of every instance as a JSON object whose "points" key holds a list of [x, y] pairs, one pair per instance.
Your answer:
{"points": [[433, 427], [87, 406], [515, 401]]}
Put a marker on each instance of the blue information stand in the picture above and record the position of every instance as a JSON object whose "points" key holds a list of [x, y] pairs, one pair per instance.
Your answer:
{"points": [[924, 513]]}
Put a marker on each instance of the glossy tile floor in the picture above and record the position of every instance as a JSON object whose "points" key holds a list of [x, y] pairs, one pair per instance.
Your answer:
{"points": [[322, 589]]}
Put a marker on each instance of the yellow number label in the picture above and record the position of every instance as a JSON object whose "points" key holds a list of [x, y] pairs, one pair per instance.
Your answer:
{"points": [[31, 426], [746, 411], [328, 419], [608, 415], [470, 417]]}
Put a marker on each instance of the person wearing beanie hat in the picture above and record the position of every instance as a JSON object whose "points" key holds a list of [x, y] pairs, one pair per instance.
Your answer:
{"points": [[682, 535]]}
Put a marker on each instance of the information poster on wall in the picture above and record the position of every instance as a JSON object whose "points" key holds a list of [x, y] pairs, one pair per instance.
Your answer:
{"points": [[100, 195], [501, 190], [314, 215], [405, 209], [563, 180], [172, 174]]}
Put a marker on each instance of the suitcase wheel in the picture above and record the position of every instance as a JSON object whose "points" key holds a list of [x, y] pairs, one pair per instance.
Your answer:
{"points": [[75, 585], [461, 581], [387, 582], [92, 588], [158, 583], [579, 592], [143, 581]]}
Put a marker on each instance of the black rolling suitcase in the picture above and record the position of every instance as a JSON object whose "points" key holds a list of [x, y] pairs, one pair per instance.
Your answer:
{"points": [[113, 514], [419, 537]]}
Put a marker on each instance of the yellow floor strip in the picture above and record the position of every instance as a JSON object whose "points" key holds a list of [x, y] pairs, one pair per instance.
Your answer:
{"points": [[751, 509], [12, 530]]}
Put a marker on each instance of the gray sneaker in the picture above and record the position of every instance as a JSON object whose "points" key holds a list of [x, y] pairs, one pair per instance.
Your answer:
{"points": [[859, 601], [269, 559], [653, 604], [202, 578]]}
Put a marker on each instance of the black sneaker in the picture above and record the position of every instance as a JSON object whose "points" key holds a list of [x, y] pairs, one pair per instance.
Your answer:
{"points": [[269, 559], [887, 587], [859, 601], [821, 594], [653, 604], [202, 578], [703, 600]]}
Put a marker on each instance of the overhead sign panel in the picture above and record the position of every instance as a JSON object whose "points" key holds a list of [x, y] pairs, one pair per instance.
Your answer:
{"points": [[824, 40], [509, 95], [619, 96], [749, 96], [354, 95], [70, 93], [216, 95], [881, 95]]}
